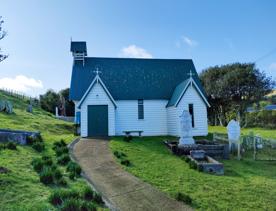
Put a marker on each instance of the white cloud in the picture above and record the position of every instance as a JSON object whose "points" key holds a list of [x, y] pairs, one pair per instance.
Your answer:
{"points": [[20, 83], [272, 66], [189, 41], [133, 51]]}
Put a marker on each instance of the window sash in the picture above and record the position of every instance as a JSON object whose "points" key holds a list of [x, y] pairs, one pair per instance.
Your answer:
{"points": [[191, 111], [140, 109]]}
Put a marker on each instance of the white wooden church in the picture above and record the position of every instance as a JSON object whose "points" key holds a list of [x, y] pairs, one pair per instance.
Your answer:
{"points": [[114, 96]]}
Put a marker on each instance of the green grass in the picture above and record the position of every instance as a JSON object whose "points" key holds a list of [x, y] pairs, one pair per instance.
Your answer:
{"points": [[246, 185], [265, 133], [21, 189]]}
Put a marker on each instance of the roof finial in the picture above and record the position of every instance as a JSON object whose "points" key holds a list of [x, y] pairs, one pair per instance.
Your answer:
{"points": [[97, 71], [190, 74]]}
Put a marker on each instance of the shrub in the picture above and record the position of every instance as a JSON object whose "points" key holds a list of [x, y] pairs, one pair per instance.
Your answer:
{"points": [[87, 206], [72, 175], [88, 194], [58, 144], [2, 146], [127, 138], [33, 139], [119, 154], [74, 167], [200, 168], [97, 198], [61, 181], [38, 146], [63, 159], [125, 162], [193, 165], [70, 205], [56, 198], [61, 150], [184, 197], [11, 146], [37, 164], [57, 174], [46, 176], [62, 142]]}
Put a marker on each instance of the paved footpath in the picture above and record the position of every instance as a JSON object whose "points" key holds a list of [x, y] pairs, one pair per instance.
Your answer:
{"points": [[121, 190]]}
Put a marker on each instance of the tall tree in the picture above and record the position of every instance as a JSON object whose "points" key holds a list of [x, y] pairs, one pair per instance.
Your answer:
{"points": [[2, 35], [232, 88], [69, 105], [49, 101]]}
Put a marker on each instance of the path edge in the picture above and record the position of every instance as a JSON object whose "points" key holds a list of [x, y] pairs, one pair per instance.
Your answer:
{"points": [[107, 202]]}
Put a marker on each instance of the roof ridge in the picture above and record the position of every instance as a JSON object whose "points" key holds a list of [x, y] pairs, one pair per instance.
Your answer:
{"points": [[125, 58]]}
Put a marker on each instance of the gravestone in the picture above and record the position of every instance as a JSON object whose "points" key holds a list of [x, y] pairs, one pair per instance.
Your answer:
{"points": [[234, 132], [2, 105], [30, 108], [186, 129], [9, 108]]}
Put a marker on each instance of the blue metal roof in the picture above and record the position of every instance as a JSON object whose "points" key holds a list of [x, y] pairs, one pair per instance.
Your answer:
{"points": [[132, 79], [270, 107], [177, 92]]}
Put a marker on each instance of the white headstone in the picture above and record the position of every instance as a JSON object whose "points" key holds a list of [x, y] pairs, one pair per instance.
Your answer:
{"points": [[234, 132], [186, 129]]}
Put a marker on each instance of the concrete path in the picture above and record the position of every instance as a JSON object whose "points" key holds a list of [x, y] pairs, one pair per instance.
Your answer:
{"points": [[122, 190]]}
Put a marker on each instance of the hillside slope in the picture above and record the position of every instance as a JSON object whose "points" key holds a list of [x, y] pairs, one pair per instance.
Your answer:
{"points": [[21, 189]]}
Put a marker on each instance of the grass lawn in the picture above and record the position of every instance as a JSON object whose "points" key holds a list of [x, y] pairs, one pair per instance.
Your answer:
{"points": [[246, 185], [21, 189]]}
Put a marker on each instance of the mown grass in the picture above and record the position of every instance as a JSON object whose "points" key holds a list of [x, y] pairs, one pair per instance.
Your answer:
{"points": [[246, 185], [20, 189]]}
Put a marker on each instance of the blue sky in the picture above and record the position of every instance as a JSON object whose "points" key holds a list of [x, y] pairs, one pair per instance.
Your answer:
{"points": [[209, 32]]}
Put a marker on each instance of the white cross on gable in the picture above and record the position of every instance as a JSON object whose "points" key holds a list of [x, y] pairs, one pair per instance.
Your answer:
{"points": [[190, 74], [97, 71]]}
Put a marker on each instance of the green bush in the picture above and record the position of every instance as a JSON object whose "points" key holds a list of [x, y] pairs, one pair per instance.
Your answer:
{"points": [[57, 174], [125, 162], [97, 198], [11, 146], [30, 140], [46, 176], [38, 146], [63, 159], [264, 118], [185, 158], [2, 146], [200, 168], [119, 154], [72, 175], [127, 138], [71, 204], [87, 206], [56, 198], [37, 164], [74, 167], [88, 194], [61, 150], [193, 165], [58, 144], [184, 197], [61, 181]]}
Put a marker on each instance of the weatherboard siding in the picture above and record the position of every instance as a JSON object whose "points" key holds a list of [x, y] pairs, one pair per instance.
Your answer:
{"points": [[191, 96], [97, 96], [153, 124]]}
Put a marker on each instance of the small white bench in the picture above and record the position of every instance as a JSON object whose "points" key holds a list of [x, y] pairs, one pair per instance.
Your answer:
{"points": [[128, 132]]}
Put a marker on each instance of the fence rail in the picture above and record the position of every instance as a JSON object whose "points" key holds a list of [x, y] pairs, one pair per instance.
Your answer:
{"points": [[20, 95]]}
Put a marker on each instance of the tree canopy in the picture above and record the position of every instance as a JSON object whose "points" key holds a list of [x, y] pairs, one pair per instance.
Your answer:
{"points": [[232, 88], [51, 99], [2, 35]]}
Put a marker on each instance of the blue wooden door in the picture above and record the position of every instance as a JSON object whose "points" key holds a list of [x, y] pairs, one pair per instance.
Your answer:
{"points": [[97, 116]]}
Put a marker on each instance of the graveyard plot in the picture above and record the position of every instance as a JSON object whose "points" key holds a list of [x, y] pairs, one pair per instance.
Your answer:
{"points": [[246, 184]]}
